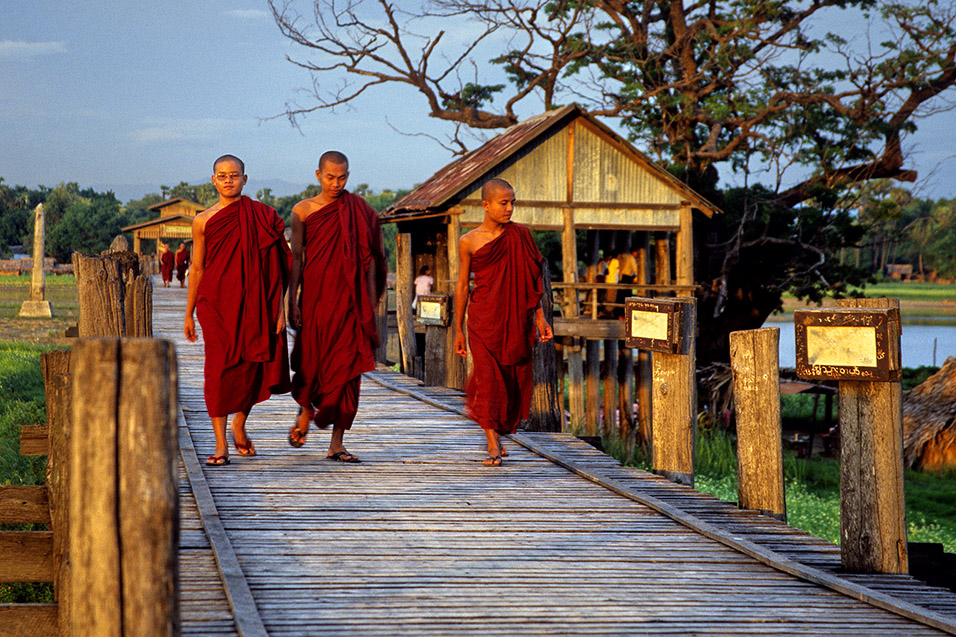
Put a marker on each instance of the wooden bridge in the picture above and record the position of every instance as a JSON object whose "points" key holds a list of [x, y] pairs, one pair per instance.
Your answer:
{"points": [[422, 538]]}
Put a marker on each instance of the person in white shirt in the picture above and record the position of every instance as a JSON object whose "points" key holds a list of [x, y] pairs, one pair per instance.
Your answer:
{"points": [[423, 284]]}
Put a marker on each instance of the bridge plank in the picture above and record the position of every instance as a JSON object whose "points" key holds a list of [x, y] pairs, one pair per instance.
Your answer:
{"points": [[421, 538]]}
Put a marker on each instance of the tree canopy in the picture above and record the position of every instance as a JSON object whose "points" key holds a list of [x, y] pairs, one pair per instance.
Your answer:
{"points": [[800, 102]]}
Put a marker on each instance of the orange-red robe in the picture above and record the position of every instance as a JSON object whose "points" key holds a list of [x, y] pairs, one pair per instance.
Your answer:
{"points": [[245, 272], [501, 329], [182, 264], [337, 341], [166, 265]]}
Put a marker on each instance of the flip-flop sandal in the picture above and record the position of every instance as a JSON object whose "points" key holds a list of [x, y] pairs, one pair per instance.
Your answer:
{"points": [[247, 449], [217, 461], [339, 457], [492, 462]]}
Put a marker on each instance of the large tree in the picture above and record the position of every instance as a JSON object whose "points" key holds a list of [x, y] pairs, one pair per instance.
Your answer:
{"points": [[801, 101]]}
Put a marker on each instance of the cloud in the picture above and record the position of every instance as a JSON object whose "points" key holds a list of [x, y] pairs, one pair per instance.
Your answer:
{"points": [[248, 14], [159, 131], [12, 49]]}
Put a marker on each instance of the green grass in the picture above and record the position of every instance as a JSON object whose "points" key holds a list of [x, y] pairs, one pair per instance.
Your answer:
{"points": [[59, 290], [22, 402]]}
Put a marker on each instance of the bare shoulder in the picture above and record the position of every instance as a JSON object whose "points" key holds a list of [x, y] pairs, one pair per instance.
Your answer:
{"points": [[305, 208], [200, 220]]}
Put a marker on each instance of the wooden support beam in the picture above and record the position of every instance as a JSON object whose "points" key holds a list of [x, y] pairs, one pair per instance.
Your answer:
{"points": [[403, 301], [26, 556], [675, 399], [872, 502], [435, 355], [123, 488], [35, 620], [598, 329], [34, 440], [24, 505], [58, 389], [754, 360], [685, 247], [545, 403], [592, 386], [609, 380], [625, 394], [572, 345]]}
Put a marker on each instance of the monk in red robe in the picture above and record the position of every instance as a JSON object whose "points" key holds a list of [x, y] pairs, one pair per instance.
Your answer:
{"points": [[504, 308], [339, 262], [236, 285], [166, 264], [182, 264]]}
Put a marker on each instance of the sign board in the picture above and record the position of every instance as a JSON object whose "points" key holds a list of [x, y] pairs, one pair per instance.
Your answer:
{"points": [[432, 309], [654, 324], [848, 344]]}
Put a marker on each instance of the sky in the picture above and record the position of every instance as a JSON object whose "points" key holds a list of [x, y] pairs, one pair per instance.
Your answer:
{"points": [[131, 95]]}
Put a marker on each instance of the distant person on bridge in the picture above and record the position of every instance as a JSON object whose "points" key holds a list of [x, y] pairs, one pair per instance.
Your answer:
{"points": [[339, 262], [166, 263], [505, 308], [237, 281], [182, 264]]}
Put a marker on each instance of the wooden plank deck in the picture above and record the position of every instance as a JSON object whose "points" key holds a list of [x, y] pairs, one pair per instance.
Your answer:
{"points": [[422, 538]]}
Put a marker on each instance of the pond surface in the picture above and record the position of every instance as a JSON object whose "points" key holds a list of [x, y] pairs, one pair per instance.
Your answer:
{"points": [[921, 344]]}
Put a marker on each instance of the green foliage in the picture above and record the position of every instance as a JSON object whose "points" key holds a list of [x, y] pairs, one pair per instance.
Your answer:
{"points": [[22, 402], [85, 227]]}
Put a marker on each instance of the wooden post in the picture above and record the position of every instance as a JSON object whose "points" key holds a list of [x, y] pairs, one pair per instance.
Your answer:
{"points": [[572, 345], [381, 322], [625, 397], [754, 360], [434, 358], [114, 300], [592, 385], [872, 501], [454, 364], [58, 392], [123, 488], [662, 259], [675, 399], [685, 246], [644, 374], [403, 302], [609, 373], [545, 403]]}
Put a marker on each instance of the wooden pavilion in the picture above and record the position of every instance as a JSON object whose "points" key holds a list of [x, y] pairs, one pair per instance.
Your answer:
{"points": [[570, 173], [175, 222]]}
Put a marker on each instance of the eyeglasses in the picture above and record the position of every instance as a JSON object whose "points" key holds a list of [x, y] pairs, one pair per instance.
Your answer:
{"points": [[228, 176]]}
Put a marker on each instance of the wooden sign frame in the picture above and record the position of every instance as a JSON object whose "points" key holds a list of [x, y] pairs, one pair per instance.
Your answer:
{"points": [[824, 354], [433, 309], [670, 328]]}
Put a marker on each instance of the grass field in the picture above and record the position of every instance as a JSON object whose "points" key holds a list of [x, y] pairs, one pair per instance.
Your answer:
{"points": [[917, 300]]}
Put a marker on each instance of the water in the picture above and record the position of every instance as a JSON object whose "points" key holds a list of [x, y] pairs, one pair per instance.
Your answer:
{"points": [[916, 343]]}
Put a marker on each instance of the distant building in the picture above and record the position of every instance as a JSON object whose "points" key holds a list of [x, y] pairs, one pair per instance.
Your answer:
{"points": [[901, 271], [175, 222]]}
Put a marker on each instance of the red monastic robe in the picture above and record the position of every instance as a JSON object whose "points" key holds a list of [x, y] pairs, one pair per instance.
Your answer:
{"points": [[240, 298], [501, 329], [166, 265], [339, 333], [182, 263]]}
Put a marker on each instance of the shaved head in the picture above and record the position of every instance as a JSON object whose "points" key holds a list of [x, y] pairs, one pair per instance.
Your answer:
{"points": [[333, 156], [242, 166], [494, 186]]}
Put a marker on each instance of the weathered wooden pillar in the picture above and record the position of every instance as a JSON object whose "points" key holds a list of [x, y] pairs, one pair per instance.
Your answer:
{"points": [[59, 411], [754, 360], [403, 302], [114, 299], [625, 396], [123, 488], [675, 398], [381, 322], [662, 259], [872, 500], [545, 403], [37, 306], [609, 378], [572, 344], [454, 364], [592, 386], [644, 374], [685, 246]]}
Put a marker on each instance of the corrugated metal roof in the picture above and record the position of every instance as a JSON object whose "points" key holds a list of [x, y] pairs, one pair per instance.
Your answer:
{"points": [[461, 175]]}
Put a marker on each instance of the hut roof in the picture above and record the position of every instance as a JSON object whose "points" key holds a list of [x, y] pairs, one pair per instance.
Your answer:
{"points": [[929, 420], [460, 176], [177, 200], [175, 220]]}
